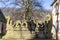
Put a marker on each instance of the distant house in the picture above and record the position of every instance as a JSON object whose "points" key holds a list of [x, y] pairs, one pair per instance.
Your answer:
{"points": [[2, 23]]}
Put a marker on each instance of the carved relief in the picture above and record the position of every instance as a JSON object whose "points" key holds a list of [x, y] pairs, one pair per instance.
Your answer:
{"points": [[17, 25], [9, 23], [20, 28]]}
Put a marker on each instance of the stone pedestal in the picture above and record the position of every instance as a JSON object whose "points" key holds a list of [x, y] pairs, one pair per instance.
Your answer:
{"points": [[9, 34], [20, 31], [41, 34]]}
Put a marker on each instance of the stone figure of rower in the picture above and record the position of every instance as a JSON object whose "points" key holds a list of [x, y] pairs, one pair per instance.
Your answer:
{"points": [[31, 26]]}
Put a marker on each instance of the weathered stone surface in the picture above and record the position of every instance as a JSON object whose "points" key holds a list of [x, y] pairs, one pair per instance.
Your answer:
{"points": [[20, 30]]}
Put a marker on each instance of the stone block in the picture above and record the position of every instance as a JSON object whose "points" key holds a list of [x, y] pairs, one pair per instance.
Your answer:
{"points": [[26, 34]]}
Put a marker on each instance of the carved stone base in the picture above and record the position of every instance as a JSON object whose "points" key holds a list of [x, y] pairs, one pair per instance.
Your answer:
{"points": [[15, 39], [42, 35], [17, 35], [9, 34], [42, 39]]}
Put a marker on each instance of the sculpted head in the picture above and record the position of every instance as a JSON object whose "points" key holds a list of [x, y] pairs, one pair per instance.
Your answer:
{"points": [[48, 17]]}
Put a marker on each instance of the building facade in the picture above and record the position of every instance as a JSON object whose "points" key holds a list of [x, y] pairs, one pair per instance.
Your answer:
{"points": [[2, 24], [55, 18]]}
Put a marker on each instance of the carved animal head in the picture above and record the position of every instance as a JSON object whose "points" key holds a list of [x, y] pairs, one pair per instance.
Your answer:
{"points": [[8, 17]]}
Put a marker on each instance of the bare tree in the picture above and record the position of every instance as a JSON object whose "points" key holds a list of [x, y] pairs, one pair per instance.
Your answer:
{"points": [[36, 3], [27, 4]]}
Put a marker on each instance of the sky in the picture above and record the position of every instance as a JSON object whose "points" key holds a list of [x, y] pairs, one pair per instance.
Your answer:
{"points": [[45, 4]]}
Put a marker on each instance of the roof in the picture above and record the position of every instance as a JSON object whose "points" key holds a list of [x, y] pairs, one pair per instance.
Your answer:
{"points": [[53, 2], [2, 18]]}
